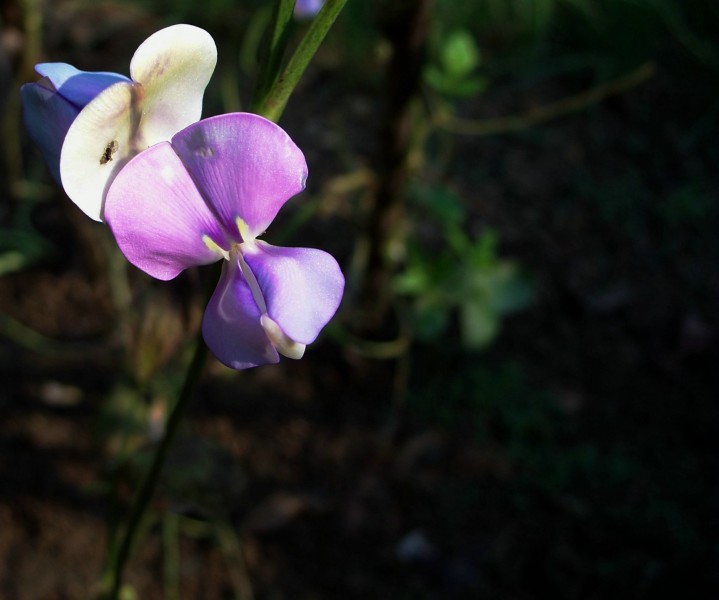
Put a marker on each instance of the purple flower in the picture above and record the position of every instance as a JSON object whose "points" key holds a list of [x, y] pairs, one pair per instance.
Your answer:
{"points": [[306, 9], [207, 195], [52, 104], [88, 125]]}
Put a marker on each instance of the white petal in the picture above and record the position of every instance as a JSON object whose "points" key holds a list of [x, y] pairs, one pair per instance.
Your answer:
{"points": [[98, 144], [174, 66], [170, 71]]}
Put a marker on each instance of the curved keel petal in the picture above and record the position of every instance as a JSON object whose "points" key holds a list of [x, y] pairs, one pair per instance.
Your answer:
{"points": [[302, 287], [232, 325]]}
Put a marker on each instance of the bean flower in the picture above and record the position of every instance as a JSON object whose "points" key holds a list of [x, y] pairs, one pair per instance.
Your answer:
{"points": [[89, 125], [207, 195]]}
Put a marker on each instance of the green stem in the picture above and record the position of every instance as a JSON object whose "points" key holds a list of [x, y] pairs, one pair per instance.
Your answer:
{"points": [[171, 556], [273, 53], [118, 559], [273, 103]]}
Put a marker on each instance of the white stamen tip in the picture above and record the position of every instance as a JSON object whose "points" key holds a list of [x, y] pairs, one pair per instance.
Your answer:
{"points": [[284, 345]]}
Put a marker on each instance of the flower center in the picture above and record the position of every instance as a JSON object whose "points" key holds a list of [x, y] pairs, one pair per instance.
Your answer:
{"points": [[257, 296]]}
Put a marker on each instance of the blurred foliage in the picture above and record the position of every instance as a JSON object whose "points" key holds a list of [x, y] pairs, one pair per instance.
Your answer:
{"points": [[454, 72], [460, 274], [582, 493], [492, 407], [21, 245]]}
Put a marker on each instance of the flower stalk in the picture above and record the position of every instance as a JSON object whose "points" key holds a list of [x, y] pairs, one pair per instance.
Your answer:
{"points": [[277, 38], [272, 104], [119, 555]]}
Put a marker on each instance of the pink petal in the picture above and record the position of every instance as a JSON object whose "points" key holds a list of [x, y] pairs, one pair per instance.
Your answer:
{"points": [[302, 287], [158, 217], [231, 326], [245, 165]]}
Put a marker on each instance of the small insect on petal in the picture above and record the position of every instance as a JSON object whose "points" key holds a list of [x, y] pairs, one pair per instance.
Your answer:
{"points": [[110, 149]]}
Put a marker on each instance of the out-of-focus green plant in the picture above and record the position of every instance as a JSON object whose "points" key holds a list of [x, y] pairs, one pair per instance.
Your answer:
{"points": [[464, 276], [495, 405], [21, 245], [688, 205], [454, 73], [551, 466]]}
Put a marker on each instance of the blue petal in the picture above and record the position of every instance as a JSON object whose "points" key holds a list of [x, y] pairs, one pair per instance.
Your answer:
{"points": [[302, 287], [47, 117], [78, 87], [231, 326], [306, 9]]}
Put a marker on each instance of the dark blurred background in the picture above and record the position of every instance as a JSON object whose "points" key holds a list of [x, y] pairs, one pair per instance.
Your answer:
{"points": [[518, 397]]}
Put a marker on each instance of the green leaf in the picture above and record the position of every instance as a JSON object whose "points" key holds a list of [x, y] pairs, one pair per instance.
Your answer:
{"points": [[412, 281], [441, 203], [484, 252], [513, 290], [450, 85], [459, 54], [20, 249], [479, 324], [430, 321], [469, 87]]}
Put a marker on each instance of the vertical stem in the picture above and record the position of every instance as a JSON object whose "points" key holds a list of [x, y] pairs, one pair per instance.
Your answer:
{"points": [[118, 559], [406, 29], [273, 103], [10, 115], [275, 49], [33, 37], [171, 556]]}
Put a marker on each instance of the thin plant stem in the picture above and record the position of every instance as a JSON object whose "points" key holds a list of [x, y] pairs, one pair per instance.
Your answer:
{"points": [[171, 556], [272, 105], [406, 25], [231, 548], [542, 114], [275, 49], [118, 559]]}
